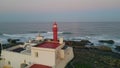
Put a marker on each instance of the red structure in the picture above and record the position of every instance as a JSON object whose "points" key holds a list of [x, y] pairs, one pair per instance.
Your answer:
{"points": [[55, 32], [51, 45], [39, 66]]}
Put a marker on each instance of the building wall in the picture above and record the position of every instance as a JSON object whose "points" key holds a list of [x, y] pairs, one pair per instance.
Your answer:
{"points": [[39, 38], [15, 58], [68, 56], [45, 56], [1, 63]]}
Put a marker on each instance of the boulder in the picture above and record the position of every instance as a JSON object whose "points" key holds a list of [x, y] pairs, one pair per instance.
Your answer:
{"points": [[117, 48], [0, 49], [107, 41], [85, 42], [78, 43]]}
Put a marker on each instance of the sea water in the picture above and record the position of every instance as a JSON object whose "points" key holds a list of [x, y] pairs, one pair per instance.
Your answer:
{"points": [[76, 31]]}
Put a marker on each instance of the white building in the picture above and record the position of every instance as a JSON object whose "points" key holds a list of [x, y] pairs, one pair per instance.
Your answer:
{"points": [[44, 54]]}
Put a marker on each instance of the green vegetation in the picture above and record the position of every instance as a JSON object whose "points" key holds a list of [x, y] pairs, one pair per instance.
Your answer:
{"points": [[78, 65], [81, 43], [104, 48], [93, 57]]}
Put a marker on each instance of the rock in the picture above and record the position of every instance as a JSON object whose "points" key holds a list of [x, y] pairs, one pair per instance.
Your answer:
{"points": [[0, 49], [78, 43], [104, 48], [117, 48], [107, 41], [85, 42], [14, 41]]}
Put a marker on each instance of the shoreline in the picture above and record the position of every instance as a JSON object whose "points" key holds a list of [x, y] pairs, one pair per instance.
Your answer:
{"points": [[87, 54], [93, 57]]}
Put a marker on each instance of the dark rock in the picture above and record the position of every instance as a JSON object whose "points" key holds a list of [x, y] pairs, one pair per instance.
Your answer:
{"points": [[78, 43], [107, 41], [85, 42], [14, 41], [0, 49], [117, 48]]}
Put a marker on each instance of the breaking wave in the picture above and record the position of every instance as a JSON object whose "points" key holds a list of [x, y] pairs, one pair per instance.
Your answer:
{"points": [[93, 38]]}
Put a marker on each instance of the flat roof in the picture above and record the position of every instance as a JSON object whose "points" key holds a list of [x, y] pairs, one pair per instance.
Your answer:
{"points": [[39, 66], [18, 49], [52, 45]]}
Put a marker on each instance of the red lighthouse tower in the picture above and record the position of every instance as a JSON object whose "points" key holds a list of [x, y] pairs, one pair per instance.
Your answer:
{"points": [[55, 32]]}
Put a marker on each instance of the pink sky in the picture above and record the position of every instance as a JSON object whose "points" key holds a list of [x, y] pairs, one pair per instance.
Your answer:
{"points": [[59, 10], [57, 5]]}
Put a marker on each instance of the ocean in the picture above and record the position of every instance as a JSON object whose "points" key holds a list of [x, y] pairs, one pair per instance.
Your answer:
{"points": [[92, 31]]}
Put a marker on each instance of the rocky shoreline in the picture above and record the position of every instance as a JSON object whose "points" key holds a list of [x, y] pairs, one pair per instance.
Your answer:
{"points": [[89, 56]]}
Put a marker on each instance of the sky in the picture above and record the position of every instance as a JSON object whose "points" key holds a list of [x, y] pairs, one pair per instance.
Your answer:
{"points": [[59, 10]]}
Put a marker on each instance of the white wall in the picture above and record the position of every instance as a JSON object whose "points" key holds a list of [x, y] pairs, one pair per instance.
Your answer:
{"points": [[45, 56], [15, 58], [61, 63]]}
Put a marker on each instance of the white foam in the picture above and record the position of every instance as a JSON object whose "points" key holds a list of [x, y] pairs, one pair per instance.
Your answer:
{"points": [[93, 39]]}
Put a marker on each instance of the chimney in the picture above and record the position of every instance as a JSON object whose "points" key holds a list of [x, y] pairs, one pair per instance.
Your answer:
{"points": [[61, 40]]}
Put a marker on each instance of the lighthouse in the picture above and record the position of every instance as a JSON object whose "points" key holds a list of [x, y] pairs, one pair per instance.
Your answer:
{"points": [[55, 32]]}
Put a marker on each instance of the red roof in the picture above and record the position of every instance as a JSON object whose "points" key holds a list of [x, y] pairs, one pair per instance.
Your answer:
{"points": [[48, 45], [39, 66]]}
